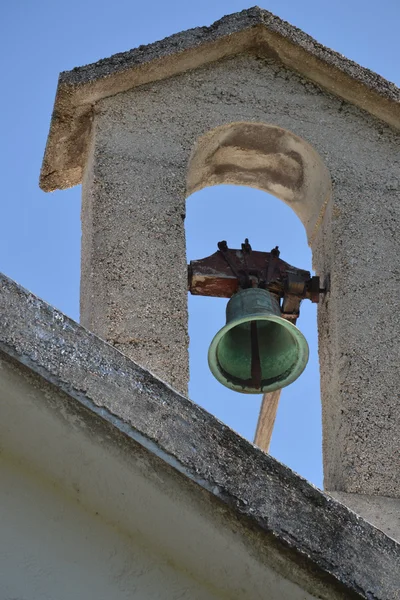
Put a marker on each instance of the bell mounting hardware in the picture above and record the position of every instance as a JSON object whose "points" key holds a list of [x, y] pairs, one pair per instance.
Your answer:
{"points": [[228, 270], [259, 349]]}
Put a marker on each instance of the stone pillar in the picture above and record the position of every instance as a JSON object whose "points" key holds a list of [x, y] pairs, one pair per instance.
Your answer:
{"points": [[357, 249], [134, 274], [359, 328]]}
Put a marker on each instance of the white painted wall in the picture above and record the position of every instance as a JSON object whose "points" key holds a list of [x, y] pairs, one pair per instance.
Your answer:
{"points": [[53, 549]]}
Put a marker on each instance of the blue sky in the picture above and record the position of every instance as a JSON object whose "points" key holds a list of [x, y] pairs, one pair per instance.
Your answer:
{"points": [[40, 233]]}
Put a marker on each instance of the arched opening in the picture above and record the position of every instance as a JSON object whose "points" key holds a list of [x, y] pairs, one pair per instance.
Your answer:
{"points": [[280, 165]]}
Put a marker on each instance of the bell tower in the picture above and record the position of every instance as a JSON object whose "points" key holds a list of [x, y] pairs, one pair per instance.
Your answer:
{"points": [[249, 101]]}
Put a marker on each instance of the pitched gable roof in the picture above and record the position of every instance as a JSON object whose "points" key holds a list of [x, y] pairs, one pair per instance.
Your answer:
{"points": [[254, 30]]}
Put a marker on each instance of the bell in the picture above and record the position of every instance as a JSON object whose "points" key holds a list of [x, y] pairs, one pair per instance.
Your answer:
{"points": [[257, 351]]}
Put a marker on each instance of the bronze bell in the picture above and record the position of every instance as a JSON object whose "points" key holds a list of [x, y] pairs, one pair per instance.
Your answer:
{"points": [[257, 351]]}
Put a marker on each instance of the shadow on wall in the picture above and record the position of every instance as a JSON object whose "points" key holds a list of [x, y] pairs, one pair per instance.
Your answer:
{"points": [[271, 159]]}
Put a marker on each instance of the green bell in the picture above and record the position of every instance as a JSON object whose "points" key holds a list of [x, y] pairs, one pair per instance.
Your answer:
{"points": [[257, 351]]}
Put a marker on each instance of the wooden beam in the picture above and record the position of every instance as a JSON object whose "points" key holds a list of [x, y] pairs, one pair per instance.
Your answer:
{"points": [[219, 275], [266, 420]]}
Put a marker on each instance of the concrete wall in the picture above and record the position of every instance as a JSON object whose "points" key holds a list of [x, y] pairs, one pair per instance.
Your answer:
{"points": [[133, 255]]}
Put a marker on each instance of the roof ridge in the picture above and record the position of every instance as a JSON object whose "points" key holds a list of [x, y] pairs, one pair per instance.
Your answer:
{"points": [[252, 30]]}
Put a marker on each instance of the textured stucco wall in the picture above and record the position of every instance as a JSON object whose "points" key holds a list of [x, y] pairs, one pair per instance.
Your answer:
{"points": [[133, 267], [133, 258]]}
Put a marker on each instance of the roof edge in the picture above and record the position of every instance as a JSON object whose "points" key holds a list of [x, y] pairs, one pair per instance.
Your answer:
{"points": [[326, 535], [255, 30]]}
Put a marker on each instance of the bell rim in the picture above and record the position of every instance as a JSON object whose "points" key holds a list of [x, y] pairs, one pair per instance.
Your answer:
{"points": [[299, 366]]}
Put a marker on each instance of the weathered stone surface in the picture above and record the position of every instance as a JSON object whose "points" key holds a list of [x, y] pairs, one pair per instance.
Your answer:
{"points": [[253, 30], [349, 557], [133, 262], [382, 512]]}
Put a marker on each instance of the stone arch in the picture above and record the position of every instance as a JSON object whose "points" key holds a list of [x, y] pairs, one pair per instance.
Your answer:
{"points": [[266, 157]]}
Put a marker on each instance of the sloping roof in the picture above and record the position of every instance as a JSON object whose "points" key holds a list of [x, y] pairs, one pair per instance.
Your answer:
{"points": [[320, 533], [253, 30]]}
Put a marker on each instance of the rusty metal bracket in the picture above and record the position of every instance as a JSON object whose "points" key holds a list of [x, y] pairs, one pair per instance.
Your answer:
{"points": [[228, 270]]}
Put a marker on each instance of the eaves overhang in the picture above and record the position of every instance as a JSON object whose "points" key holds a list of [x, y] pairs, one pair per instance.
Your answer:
{"points": [[325, 538], [251, 31]]}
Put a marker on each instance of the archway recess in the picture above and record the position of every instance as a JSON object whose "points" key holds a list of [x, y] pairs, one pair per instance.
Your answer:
{"points": [[273, 160], [266, 157]]}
